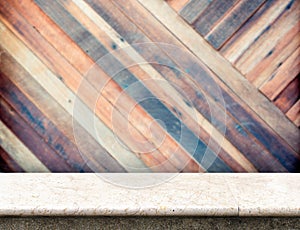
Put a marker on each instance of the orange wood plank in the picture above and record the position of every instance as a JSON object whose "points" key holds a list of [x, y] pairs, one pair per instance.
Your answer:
{"points": [[161, 35], [233, 20], [61, 67], [294, 113], [286, 99], [54, 112], [282, 76], [7, 164], [29, 137], [177, 5]]}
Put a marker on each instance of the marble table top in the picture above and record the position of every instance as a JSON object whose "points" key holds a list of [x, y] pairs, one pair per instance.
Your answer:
{"points": [[150, 194]]}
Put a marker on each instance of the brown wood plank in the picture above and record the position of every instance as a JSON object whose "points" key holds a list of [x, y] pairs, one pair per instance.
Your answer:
{"points": [[285, 73], [7, 164], [177, 5], [122, 81], [193, 9], [255, 27], [44, 127], [236, 82], [63, 69], [212, 14], [62, 120], [223, 155], [32, 140], [263, 47], [287, 98], [19, 152], [117, 91], [275, 57], [232, 22], [294, 113], [57, 42], [105, 7], [120, 21], [64, 97], [55, 61], [180, 60], [175, 102]]}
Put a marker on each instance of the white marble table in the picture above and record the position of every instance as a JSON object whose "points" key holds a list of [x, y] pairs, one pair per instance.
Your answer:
{"points": [[184, 194]]}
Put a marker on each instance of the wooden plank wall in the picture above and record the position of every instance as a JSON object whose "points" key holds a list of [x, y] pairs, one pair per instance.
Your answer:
{"points": [[260, 38], [48, 47]]}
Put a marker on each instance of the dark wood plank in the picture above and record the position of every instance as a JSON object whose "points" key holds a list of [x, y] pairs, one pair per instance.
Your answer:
{"points": [[96, 83], [130, 37], [232, 22], [43, 126], [253, 29], [208, 55], [160, 35], [54, 112], [272, 46], [274, 56], [171, 99], [285, 73], [294, 113], [62, 68], [193, 9], [288, 97], [70, 71], [32, 140], [125, 79], [7, 164], [212, 14]]}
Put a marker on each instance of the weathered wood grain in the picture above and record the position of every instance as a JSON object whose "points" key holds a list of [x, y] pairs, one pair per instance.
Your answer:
{"points": [[294, 113], [212, 14], [177, 5], [44, 127], [267, 41], [129, 112], [132, 141], [63, 96], [223, 69], [63, 121], [19, 152], [255, 27], [286, 99], [65, 73], [124, 79], [145, 73], [29, 137], [181, 61], [8, 164], [285, 73], [275, 57], [193, 9], [232, 22]]}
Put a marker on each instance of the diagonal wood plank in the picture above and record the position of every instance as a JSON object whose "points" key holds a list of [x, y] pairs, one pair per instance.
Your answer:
{"points": [[247, 92], [19, 152], [58, 91], [101, 27], [136, 88], [135, 12]]}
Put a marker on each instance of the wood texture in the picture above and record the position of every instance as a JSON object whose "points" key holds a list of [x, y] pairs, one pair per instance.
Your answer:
{"points": [[264, 47], [193, 9], [8, 164], [232, 22], [211, 15], [89, 86]]}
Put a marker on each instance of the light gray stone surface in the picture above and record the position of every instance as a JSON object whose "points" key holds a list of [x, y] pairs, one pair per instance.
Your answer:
{"points": [[181, 194]]}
